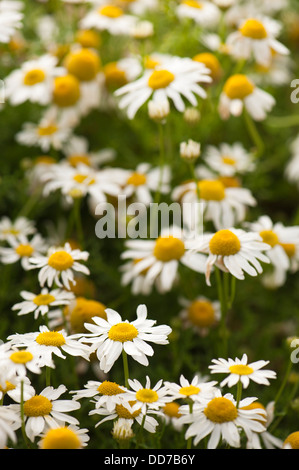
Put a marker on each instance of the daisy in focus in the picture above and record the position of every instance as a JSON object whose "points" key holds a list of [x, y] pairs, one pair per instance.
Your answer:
{"points": [[46, 409], [220, 419], [162, 257], [256, 38], [241, 370], [16, 363], [106, 394], [109, 338], [200, 314], [194, 390], [59, 265], [239, 93], [148, 398], [64, 437], [175, 79], [41, 303], [22, 249], [228, 160], [235, 251]]}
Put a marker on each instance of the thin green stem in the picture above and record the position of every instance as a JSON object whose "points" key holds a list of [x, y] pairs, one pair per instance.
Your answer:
{"points": [[239, 392], [126, 367], [284, 382], [254, 134]]}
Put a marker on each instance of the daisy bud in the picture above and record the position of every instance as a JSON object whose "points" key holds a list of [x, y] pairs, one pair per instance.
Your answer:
{"points": [[158, 111], [192, 116], [190, 150], [122, 429], [142, 30]]}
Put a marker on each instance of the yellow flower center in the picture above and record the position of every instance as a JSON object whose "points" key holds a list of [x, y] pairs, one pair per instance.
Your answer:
{"points": [[43, 299], [50, 338], [293, 440], [147, 395], [34, 76], [8, 387], [111, 11], [66, 91], [224, 243], [228, 160], [47, 130], [37, 406], [230, 181], [172, 410], [150, 62], [238, 86], [192, 3], [212, 190], [189, 390], [88, 38], [255, 406], [241, 369], [253, 29], [221, 410], [160, 79], [169, 248], [269, 237], [61, 438], [123, 412], [21, 357], [75, 160], [83, 64], [84, 311], [24, 250], [109, 388], [289, 248], [211, 62], [114, 76], [60, 260], [122, 332], [137, 179], [201, 313], [84, 179]]}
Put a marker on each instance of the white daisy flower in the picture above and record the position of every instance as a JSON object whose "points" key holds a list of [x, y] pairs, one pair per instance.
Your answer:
{"points": [[46, 343], [33, 81], [200, 314], [204, 13], [240, 92], [111, 18], [148, 398], [194, 390], [69, 437], [161, 258], [224, 206], [41, 303], [138, 7], [228, 159], [256, 37], [283, 246], [45, 409], [11, 18], [112, 336], [264, 439], [16, 363], [220, 418], [175, 79], [20, 226], [121, 72], [171, 415], [22, 249], [10, 421], [59, 265], [240, 370], [106, 394], [235, 251], [14, 389], [278, 73]]}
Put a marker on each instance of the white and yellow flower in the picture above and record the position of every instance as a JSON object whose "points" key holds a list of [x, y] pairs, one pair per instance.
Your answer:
{"points": [[11, 19], [194, 390], [228, 159], [106, 394], [264, 439], [21, 226], [204, 13], [148, 398], [69, 437], [109, 17], [200, 314], [10, 421], [22, 249]]}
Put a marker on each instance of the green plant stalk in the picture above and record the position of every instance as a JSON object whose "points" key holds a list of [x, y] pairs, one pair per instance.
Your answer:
{"points": [[254, 134], [126, 367]]}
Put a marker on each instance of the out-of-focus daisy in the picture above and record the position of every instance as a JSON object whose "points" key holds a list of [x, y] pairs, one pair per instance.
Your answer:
{"points": [[204, 13], [21, 249], [190, 151], [46, 343], [21, 384], [283, 245], [33, 81], [239, 370], [256, 37], [171, 415], [112, 336], [106, 394], [264, 438], [11, 17], [10, 421], [20, 226], [64, 437], [121, 72], [220, 418], [59, 265], [40, 303], [278, 73], [45, 409], [111, 18], [235, 251], [194, 390], [200, 314], [161, 258], [228, 160], [240, 92], [212, 62], [224, 206], [77, 151], [138, 7], [292, 441], [82, 310], [148, 398], [175, 79]]}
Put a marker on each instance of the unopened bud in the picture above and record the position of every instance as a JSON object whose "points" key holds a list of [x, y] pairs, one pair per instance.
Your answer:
{"points": [[158, 111], [122, 429], [190, 150], [192, 116]]}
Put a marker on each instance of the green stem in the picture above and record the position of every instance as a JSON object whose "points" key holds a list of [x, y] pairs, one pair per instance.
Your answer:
{"points": [[223, 305], [254, 134], [78, 221], [126, 367], [239, 392], [189, 442], [284, 382]]}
